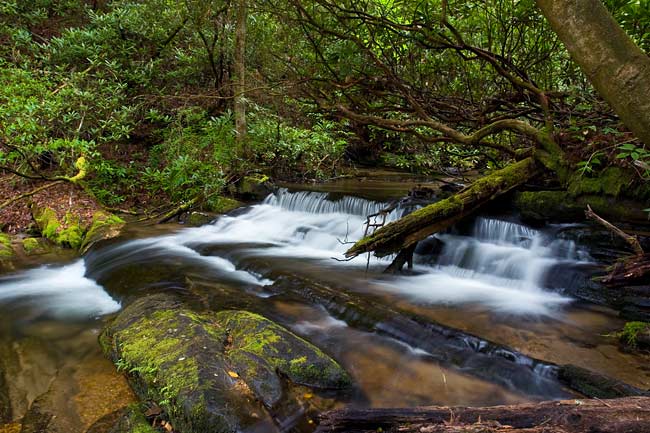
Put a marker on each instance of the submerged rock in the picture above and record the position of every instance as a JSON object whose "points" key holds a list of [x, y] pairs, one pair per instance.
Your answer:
{"points": [[596, 385], [208, 371], [129, 419]]}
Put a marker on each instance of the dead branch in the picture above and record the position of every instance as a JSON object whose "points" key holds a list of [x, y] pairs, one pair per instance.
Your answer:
{"points": [[631, 240]]}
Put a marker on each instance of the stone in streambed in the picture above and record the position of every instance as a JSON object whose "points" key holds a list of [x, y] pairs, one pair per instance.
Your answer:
{"points": [[259, 348], [596, 385], [208, 371]]}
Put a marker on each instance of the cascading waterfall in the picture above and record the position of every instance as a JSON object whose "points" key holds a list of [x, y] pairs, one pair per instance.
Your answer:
{"points": [[502, 265]]}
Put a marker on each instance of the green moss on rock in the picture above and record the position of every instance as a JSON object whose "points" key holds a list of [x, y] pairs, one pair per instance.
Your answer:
{"points": [[34, 246], [72, 232], [103, 226], [47, 222], [175, 357], [612, 181], [256, 340], [223, 205], [6, 251], [208, 371], [561, 206]]}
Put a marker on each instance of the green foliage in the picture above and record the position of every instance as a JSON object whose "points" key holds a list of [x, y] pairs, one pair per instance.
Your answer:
{"points": [[634, 17], [631, 331], [638, 155], [291, 151]]}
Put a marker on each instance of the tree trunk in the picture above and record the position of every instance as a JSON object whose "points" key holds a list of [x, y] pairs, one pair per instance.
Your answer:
{"points": [[616, 67], [436, 217], [240, 75], [625, 415]]}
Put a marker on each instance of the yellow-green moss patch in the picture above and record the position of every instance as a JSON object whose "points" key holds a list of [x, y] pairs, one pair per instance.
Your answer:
{"points": [[6, 251]]}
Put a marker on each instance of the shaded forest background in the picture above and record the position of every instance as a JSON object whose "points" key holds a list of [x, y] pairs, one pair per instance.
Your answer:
{"points": [[165, 102]]}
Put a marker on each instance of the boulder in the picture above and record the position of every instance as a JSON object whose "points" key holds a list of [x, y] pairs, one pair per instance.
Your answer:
{"points": [[209, 372], [72, 232], [103, 226]]}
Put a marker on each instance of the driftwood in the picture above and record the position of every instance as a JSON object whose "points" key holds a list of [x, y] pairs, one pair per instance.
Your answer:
{"points": [[631, 240], [407, 231], [624, 415], [633, 271]]}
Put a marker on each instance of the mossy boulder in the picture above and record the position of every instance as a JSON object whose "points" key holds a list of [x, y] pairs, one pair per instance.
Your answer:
{"points": [[72, 232], [259, 348], [222, 205], [254, 187], [6, 250], [206, 374], [36, 246], [103, 226], [541, 206]]}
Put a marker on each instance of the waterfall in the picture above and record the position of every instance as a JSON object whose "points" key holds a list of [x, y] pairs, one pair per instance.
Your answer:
{"points": [[500, 264]]}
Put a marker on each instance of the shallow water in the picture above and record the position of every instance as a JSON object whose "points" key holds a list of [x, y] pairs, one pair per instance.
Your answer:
{"points": [[488, 278]]}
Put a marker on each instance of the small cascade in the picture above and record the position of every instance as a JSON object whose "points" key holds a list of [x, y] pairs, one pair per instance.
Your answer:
{"points": [[500, 264], [319, 203]]}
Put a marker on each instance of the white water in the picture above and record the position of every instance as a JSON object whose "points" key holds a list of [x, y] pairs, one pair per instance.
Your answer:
{"points": [[61, 292], [502, 265]]}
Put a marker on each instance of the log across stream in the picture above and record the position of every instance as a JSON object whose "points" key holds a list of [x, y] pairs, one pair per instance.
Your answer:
{"points": [[488, 315]]}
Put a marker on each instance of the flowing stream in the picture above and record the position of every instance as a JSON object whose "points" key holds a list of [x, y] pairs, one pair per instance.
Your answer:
{"points": [[488, 278]]}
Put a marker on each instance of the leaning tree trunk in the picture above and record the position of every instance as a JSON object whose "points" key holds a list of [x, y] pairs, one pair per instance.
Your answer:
{"points": [[407, 231], [625, 415], [617, 68]]}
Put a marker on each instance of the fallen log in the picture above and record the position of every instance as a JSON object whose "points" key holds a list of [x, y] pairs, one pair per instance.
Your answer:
{"points": [[407, 231], [624, 415]]}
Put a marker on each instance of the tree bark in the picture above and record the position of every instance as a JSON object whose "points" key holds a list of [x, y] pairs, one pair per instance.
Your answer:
{"points": [[617, 68], [438, 216], [625, 415], [240, 75]]}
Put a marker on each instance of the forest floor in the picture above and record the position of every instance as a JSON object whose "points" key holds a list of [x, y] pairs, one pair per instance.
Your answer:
{"points": [[63, 198]]}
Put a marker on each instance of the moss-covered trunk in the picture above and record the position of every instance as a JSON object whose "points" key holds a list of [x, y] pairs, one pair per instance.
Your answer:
{"points": [[424, 222]]}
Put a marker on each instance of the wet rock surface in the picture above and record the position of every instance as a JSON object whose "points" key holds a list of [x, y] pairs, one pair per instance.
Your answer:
{"points": [[208, 371], [595, 385]]}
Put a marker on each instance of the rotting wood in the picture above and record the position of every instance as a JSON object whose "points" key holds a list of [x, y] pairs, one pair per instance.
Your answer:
{"points": [[624, 415], [633, 271], [407, 231]]}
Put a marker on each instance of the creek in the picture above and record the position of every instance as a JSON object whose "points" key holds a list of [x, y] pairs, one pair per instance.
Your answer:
{"points": [[497, 281]]}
